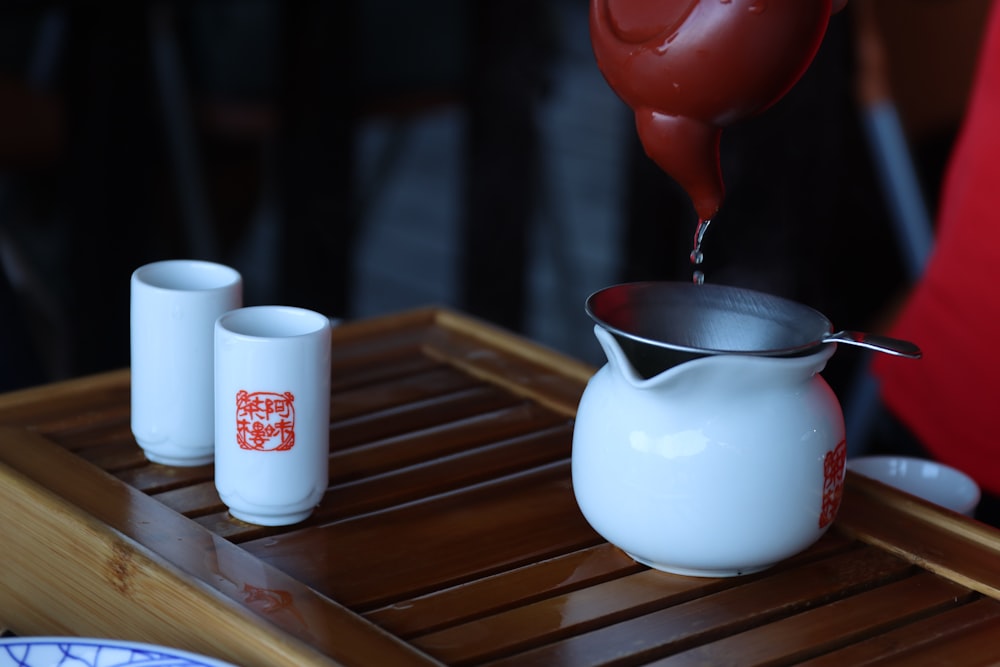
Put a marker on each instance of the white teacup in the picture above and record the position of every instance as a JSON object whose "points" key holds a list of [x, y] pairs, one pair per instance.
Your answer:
{"points": [[930, 480], [272, 412], [174, 305]]}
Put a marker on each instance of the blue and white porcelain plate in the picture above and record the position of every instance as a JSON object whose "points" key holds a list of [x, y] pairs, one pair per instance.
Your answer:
{"points": [[84, 652]]}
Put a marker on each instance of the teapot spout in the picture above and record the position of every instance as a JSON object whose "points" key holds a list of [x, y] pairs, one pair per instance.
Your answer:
{"points": [[688, 150]]}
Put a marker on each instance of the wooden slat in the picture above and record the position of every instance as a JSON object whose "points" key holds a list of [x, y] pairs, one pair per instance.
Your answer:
{"points": [[155, 478], [117, 453], [379, 349], [192, 500], [453, 413], [597, 635], [373, 397], [522, 588], [508, 589], [498, 454], [350, 370], [416, 416], [72, 405], [463, 431], [545, 579], [973, 646], [907, 640], [809, 633], [542, 375], [113, 431], [441, 542]]}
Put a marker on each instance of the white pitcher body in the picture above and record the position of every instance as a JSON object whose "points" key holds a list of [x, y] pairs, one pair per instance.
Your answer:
{"points": [[720, 466]]}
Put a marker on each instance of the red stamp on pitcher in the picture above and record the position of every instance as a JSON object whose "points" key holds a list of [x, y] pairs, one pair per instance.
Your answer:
{"points": [[833, 483], [265, 421]]}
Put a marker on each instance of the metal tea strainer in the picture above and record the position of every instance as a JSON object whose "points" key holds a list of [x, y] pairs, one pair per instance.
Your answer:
{"points": [[662, 324]]}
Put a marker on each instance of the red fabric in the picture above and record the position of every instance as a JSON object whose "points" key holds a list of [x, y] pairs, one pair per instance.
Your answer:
{"points": [[950, 399]]}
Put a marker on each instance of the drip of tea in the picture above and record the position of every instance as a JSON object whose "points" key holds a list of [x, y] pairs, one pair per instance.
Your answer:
{"points": [[697, 256]]}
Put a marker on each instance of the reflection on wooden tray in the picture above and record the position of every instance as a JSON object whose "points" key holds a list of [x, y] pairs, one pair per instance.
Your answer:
{"points": [[449, 535]]}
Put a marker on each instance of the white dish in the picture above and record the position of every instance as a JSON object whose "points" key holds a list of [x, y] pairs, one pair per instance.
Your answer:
{"points": [[930, 480], [86, 652]]}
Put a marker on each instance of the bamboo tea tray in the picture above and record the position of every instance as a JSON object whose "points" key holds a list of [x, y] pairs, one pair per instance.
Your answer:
{"points": [[449, 536]]}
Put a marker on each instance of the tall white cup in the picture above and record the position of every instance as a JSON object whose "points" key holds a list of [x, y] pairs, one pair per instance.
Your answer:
{"points": [[174, 305], [272, 412]]}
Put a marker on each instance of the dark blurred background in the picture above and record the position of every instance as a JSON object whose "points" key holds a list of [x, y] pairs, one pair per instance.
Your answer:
{"points": [[360, 158]]}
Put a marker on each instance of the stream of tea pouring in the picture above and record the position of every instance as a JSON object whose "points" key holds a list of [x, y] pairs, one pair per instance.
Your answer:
{"points": [[697, 256]]}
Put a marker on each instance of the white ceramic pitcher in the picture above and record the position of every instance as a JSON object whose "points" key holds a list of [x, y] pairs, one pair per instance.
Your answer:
{"points": [[708, 444], [719, 466]]}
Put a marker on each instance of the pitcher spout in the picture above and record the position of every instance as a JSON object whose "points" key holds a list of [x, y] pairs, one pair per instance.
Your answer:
{"points": [[642, 360], [638, 364]]}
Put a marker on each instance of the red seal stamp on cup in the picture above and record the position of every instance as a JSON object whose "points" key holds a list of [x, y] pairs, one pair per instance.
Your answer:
{"points": [[265, 421]]}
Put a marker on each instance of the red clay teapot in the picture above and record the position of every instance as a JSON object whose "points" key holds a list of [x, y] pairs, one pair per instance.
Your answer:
{"points": [[688, 68]]}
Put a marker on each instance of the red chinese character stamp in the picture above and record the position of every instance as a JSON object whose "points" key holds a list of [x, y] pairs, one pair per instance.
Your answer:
{"points": [[265, 421], [833, 483]]}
